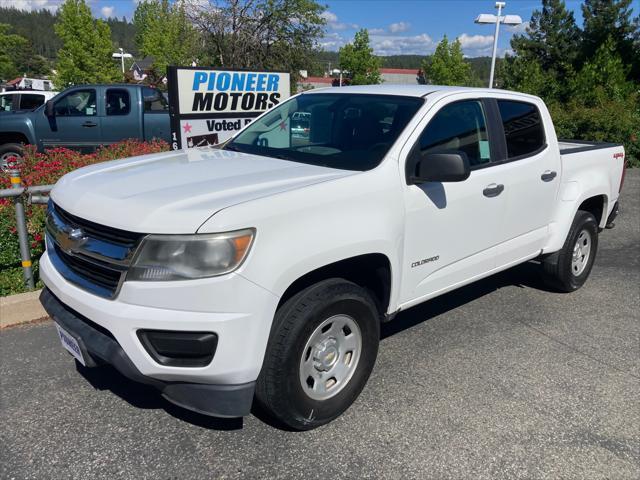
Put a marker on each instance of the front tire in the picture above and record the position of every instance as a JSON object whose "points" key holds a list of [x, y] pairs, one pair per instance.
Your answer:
{"points": [[569, 269], [322, 349]]}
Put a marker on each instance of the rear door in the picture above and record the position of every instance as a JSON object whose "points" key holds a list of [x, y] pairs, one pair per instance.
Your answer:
{"points": [[76, 123], [121, 118], [532, 175]]}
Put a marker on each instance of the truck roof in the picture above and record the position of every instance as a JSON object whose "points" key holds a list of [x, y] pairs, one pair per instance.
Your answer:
{"points": [[407, 90]]}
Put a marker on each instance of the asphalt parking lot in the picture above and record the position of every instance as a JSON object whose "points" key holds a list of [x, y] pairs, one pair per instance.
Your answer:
{"points": [[501, 379]]}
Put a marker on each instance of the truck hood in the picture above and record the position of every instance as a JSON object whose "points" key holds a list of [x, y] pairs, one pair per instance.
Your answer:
{"points": [[176, 192]]}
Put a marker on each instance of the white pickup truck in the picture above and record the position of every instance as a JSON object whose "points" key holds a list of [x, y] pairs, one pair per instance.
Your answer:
{"points": [[259, 272]]}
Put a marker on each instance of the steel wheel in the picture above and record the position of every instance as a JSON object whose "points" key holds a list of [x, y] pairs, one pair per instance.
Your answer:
{"points": [[330, 357], [581, 252], [8, 160]]}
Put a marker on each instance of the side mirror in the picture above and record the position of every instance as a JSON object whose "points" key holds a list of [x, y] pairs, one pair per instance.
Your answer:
{"points": [[452, 166], [49, 109]]}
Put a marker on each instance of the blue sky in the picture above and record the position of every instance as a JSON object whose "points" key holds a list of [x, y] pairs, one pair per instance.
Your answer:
{"points": [[395, 26]]}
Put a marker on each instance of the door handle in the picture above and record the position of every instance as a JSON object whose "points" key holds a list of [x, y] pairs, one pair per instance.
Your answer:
{"points": [[493, 190], [89, 124], [548, 175]]}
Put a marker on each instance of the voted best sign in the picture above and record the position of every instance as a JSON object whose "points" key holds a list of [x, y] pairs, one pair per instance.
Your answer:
{"points": [[208, 106]]}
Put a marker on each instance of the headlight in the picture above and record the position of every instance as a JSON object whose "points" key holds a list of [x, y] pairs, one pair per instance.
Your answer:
{"points": [[184, 257]]}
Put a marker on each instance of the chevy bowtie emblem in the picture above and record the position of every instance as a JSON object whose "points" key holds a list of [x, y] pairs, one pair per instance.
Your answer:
{"points": [[70, 240], [76, 234]]}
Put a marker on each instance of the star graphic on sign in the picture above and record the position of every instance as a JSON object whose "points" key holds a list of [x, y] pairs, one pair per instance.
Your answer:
{"points": [[283, 125], [187, 127]]}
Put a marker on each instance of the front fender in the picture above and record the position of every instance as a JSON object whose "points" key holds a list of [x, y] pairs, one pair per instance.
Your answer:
{"points": [[302, 230]]}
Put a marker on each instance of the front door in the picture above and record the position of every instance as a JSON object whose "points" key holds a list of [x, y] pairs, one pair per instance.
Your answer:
{"points": [[452, 228], [76, 123]]}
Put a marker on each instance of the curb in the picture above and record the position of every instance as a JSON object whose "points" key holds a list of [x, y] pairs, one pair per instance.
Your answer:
{"points": [[21, 308]]}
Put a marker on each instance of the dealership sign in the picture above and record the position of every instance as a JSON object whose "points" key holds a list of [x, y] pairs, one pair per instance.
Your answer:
{"points": [[208, 105]]}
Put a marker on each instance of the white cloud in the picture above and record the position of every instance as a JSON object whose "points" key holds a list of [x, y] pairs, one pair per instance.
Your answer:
{"points": [[32, 5], [522, 28], [399, 27], [376, 31], [474, 42], [107, 11], [402, 44], [333, 23], [330, 17]]}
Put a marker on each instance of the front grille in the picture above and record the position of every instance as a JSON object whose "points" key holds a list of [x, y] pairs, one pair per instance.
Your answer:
{"points": [[100, 232], [92, 256], [101, 275]]}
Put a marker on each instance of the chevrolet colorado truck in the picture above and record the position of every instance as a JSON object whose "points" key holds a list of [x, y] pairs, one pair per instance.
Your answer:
{"points": [[85, 117], [259, 272]]}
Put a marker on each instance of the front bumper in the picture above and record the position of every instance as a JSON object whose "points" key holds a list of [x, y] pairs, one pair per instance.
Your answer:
{"points": [[237, 310], [99, 347]]}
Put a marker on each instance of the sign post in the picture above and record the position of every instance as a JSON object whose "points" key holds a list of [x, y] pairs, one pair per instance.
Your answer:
{"points": [[208, 106]]}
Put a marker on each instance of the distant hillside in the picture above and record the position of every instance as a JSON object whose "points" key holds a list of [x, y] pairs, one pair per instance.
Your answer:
{"points": [[37, 27], [480, 66]]}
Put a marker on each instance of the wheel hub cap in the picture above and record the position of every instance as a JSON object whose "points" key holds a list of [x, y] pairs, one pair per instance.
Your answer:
{"points": [[330, 357], [581, 253]]}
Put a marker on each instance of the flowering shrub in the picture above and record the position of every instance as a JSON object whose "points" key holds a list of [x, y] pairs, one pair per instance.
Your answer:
{"points": [[45, 169]]}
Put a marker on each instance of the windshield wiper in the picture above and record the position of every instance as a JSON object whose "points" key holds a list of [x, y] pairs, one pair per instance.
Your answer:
{"points": [[231, 147]]}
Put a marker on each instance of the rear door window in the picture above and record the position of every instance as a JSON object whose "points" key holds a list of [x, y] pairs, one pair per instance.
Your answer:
{"points": [[523, 129], [118, 102], [459, 127]]}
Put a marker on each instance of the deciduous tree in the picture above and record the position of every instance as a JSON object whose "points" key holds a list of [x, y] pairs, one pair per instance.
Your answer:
{"points": [[86, 53], [164, 33], [357, 59], [447, 65], [258, 34]]}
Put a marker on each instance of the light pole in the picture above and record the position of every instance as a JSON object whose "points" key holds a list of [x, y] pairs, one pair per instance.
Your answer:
{"points": [[490, 18], [121, 55]]}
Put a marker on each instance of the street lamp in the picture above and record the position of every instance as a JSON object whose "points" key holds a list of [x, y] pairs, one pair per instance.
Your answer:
{"points": [[121, 55], [497, 19]]}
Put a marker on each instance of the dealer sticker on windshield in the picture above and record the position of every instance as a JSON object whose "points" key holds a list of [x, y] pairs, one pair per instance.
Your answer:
{"points": [[70, 344]]}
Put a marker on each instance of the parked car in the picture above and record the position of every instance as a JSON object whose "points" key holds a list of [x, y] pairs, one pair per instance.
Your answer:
{"points": [[19, 100], [87, 116], [263, 269]]}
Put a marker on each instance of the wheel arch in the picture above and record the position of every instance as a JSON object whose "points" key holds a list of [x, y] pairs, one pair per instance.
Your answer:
{"points": [[13, 137], [371, 271]]}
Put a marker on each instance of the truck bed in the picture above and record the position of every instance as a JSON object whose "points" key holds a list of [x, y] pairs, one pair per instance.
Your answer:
{"points": [[576, 146]]}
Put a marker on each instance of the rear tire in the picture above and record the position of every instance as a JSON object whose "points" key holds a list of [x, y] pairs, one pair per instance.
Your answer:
{"points": [[7, 151], [322, 349], [568, 269]]}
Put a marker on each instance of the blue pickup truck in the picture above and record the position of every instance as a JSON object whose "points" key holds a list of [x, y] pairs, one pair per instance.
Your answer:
{"points": [[85, 117]]}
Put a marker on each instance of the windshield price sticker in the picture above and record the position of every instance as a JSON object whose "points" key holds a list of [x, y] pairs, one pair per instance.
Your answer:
{"points": [[208, 106]]}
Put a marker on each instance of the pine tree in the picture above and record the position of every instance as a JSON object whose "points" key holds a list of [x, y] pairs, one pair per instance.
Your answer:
{"points": [[86, 53], [604, 19], [447, 65], [552, 43], [552, 38], [358, 60]]}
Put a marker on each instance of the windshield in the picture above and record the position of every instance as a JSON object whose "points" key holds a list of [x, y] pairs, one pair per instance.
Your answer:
{"points": [[337, 130]]}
